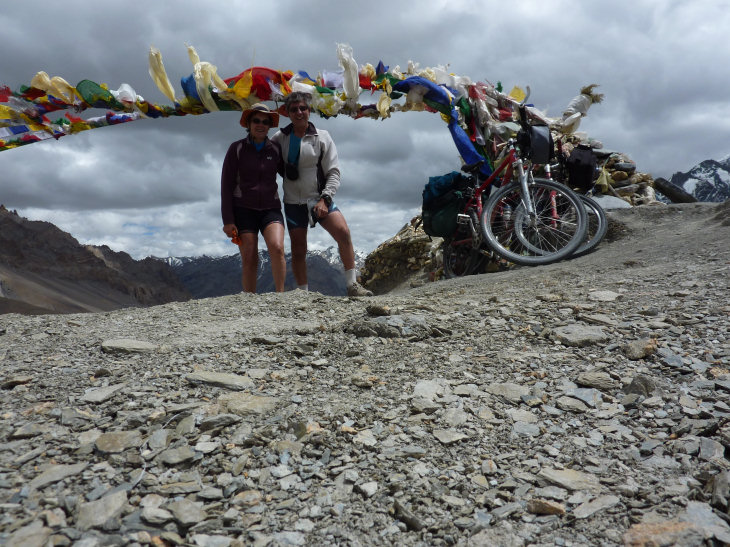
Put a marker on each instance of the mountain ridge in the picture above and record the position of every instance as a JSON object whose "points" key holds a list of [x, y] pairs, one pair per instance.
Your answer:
{"points": [[207, 276], [709, 180], [46, 270]]}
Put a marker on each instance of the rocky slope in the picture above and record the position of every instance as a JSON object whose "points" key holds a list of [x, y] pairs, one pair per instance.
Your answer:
{"points": [[581, 403], [45, 270]]}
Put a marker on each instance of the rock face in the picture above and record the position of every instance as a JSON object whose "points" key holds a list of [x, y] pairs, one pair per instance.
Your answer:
{"points": [[448, 414], [408, 259], [45, 270]]}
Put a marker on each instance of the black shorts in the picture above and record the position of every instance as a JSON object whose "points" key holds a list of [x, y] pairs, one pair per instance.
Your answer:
{"points": [[297, 215], [253, 221]]}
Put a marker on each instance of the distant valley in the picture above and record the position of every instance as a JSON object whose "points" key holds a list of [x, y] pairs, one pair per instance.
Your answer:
{"points": [[45, 270]]}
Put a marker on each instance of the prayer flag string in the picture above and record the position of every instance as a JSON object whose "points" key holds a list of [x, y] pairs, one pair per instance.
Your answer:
{"points": [[475, 112]]}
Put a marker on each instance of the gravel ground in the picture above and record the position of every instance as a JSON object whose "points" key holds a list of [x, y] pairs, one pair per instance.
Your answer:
{"points": [[582, 403]]}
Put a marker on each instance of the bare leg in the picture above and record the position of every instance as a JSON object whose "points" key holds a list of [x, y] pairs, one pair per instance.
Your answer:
{"points": [[249, 249], [274, 237], [298, 238], [336, 226]]}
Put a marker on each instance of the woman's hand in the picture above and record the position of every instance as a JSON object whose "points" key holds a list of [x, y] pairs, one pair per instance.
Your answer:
{"points": [[230, 230]]}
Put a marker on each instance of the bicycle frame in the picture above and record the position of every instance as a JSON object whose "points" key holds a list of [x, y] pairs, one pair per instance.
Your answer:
{"points": [[511, 159], [514, 162], [475, 200]]}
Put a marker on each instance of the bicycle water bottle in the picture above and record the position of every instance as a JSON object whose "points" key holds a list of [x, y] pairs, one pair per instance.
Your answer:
{"points": [[311, 216]]}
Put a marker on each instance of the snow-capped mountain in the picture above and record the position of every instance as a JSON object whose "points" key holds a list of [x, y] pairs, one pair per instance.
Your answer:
{"points": [[332, 255], [207, 276], [707, 181]]}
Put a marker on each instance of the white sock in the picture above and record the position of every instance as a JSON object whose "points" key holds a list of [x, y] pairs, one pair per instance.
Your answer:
{"points": [[304, 287], [351, 276]]}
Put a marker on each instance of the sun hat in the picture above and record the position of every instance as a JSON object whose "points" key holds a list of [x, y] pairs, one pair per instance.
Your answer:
{"points": [[262, 108]]}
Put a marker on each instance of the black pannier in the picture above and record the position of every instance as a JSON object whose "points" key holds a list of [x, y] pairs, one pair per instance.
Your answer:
{"points": [[581, 167], [536, 143]]}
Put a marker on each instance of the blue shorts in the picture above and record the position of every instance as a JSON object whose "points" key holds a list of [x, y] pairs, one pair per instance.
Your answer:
{"points": [[253, 221], [297, 215]]}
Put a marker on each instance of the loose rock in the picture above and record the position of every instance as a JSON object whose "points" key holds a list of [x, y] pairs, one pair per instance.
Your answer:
{"points": [[500, 409]]}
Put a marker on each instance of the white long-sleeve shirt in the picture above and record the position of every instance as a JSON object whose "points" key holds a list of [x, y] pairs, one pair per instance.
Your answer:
{"points": [[315, 143]]}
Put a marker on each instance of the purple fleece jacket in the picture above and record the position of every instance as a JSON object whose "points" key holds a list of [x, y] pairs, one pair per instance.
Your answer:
{"points": [[256, 171]]}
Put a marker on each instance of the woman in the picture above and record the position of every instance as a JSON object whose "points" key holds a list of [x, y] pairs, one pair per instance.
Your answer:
{"points": [[250, 197], [312, 177]]}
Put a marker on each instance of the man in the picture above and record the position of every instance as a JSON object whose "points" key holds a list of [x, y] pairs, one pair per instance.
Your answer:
{"points": [[312, 177]]}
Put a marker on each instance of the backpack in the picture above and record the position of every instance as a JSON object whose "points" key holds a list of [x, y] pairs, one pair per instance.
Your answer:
{"points": [[581, 167], [442, 201]]}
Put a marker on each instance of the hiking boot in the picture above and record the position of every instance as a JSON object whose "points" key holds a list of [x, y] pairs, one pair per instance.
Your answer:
{"points": [[358, 290]]}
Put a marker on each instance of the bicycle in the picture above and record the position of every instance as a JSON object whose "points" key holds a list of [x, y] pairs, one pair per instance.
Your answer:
{"points": [[528, 221]]}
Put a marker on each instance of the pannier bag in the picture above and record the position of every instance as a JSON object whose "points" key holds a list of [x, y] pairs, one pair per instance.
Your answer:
{"points": [[581, 167], [537, 143], [442, 202]]}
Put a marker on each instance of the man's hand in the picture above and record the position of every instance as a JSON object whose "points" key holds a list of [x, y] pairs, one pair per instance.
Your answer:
{"points": [[321, 210]]}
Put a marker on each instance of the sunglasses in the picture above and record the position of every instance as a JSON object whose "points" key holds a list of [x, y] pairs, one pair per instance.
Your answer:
{"points": [[298, 109], [262, 121]]}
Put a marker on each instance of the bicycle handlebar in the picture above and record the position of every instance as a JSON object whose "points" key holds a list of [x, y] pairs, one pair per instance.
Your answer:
{"points": [[522, 109], [527, 96]]}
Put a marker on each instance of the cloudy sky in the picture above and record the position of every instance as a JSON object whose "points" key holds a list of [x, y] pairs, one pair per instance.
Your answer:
{"points": [[151, 187]]}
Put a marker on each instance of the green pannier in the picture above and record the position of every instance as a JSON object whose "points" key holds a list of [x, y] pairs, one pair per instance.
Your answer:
{"points": [[442, 202], [439, 217]]}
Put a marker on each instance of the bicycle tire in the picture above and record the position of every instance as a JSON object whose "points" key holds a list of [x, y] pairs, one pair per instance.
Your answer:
{"points": [[597, 225], [555, 233], [461, 259]]}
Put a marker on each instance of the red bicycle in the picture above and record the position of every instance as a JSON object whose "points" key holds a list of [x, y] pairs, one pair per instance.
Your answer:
{"points": [[523, 219]]}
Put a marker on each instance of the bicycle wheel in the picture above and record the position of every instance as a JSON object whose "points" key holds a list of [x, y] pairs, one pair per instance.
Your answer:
{"points": [[553, 233], [597, 225], [461, 258]]}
